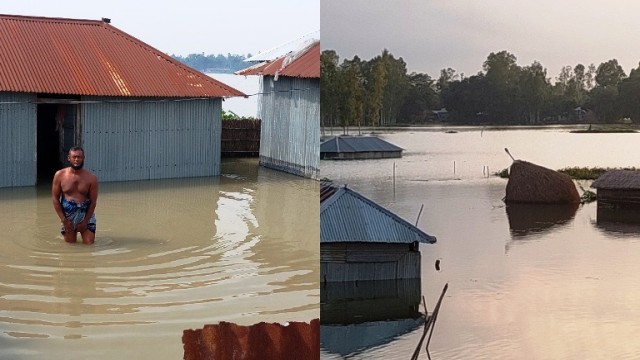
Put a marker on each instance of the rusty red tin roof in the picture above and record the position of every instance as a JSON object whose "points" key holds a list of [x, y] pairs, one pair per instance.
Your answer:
{"points": [[295, 340], [92, 57], [304, 63]]}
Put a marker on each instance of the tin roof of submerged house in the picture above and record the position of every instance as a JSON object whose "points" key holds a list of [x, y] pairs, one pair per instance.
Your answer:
{"points": [[301, 63], [618, 180], [347, 216], [92, 57], [352, 144]]}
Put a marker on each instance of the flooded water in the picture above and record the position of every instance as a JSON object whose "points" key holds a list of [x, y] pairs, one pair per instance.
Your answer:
{"points": [[169, 255], [250, 85], [524, 283]]}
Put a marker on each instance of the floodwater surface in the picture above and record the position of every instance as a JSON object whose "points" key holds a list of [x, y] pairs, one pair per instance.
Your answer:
{"points": [[524, 283], [169, 255]]}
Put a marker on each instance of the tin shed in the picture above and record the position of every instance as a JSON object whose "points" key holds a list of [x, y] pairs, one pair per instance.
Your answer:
{"points": [[618, 188], [138, 113], [360, 240], [289, 107], [358, 147]]}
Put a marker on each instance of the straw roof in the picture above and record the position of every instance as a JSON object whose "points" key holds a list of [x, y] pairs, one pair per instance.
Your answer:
{"points": [[531, 183]]}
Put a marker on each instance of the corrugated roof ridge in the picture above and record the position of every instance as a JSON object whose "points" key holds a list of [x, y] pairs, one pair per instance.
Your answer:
{"points": [[132, 40], [294, 55], [170, 59], [344, 190]]}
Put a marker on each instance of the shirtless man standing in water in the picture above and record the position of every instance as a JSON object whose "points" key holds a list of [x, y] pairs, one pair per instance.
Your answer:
{"points": [[74, 194]]}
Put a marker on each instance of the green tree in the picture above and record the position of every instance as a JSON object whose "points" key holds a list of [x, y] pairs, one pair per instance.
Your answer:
{"points": [[421, 98], [501, 72], [609, 73], [330, 88], [353, 86], [629, 93], [396, 88], [376, 81]]}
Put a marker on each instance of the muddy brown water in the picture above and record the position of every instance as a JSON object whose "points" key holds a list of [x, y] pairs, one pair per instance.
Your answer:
{"points": [[169, 255]]}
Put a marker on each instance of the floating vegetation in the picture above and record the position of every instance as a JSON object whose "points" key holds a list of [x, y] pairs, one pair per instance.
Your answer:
{"points": [[587, 173], [587, 196], [504, 173], [603, 131], [576, 173]]}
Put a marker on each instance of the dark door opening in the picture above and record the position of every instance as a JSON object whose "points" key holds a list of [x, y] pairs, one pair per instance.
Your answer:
{"points": [[56, 135], [48, 142]]}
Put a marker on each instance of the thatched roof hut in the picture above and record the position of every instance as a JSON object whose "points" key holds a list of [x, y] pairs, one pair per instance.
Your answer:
{"points": [[531, 183]]}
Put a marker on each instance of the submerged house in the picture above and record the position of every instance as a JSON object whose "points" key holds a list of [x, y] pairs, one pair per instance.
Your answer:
{"points": [[289, 107], [618, 189], [360, 240], [358, 147], [138, 113]]}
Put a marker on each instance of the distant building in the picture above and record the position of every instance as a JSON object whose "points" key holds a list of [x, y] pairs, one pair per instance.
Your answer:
{"points": [[440, 115], [358, 147], [360, 240], [289, 107], [138, 113]]}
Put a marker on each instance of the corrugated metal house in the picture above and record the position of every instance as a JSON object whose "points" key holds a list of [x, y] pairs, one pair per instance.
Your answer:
{"points": [[358, 147], [289, 107], [360, 240], [138, 113], [618, 188]]}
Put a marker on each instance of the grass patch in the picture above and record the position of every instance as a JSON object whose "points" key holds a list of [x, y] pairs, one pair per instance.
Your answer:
{"points": [[576, 173]]}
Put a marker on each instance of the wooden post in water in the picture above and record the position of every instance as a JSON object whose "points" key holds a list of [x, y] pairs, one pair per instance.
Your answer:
{"points": [[394, 179], [419, 213]]}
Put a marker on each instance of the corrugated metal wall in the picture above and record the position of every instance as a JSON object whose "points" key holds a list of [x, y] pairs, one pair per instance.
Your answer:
{"points": [[18, 136], [290, 113], [368, 261], [136, 140]]}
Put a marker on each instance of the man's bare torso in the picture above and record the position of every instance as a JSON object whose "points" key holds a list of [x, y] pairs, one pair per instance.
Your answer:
{"points": [[76, 184]]}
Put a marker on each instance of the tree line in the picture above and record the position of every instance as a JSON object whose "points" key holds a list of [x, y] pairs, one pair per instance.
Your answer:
{"points": [[215, 63], [380, 92]]}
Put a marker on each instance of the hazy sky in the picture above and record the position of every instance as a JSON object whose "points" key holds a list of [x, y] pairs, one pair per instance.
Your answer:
{"points": [[434, 34], [190, 26]]}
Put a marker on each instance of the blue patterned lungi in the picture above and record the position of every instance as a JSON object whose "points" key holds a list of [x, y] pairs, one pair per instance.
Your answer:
{"points": [[76, 212]]}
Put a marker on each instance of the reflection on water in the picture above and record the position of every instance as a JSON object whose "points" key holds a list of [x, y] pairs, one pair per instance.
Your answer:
{"points": [[619, 221], [570, 291], [169, 255], [525, 219], [356, 316]]}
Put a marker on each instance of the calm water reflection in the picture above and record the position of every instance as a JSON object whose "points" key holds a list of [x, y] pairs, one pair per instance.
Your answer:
{"points": [[553, 285], [169, 255]]}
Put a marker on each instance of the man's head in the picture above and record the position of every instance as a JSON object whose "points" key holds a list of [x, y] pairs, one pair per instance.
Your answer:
{"points": [[76, 157]]}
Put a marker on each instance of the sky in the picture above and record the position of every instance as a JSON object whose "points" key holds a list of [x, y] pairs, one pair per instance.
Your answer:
{"points": [[190, 26], [431, 35]]}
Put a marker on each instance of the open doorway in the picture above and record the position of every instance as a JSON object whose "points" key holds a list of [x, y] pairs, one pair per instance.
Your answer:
{"points": [[56, 135]]}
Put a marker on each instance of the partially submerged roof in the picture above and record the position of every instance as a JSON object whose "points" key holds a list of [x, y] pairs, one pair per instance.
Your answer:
{"points": [[302, 63], [92, 57], [618, 180], [347, 216], [347, 144]]}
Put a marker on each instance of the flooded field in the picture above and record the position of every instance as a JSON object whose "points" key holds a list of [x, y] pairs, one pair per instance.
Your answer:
{"points": [[524, 283], [169, 255]]}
